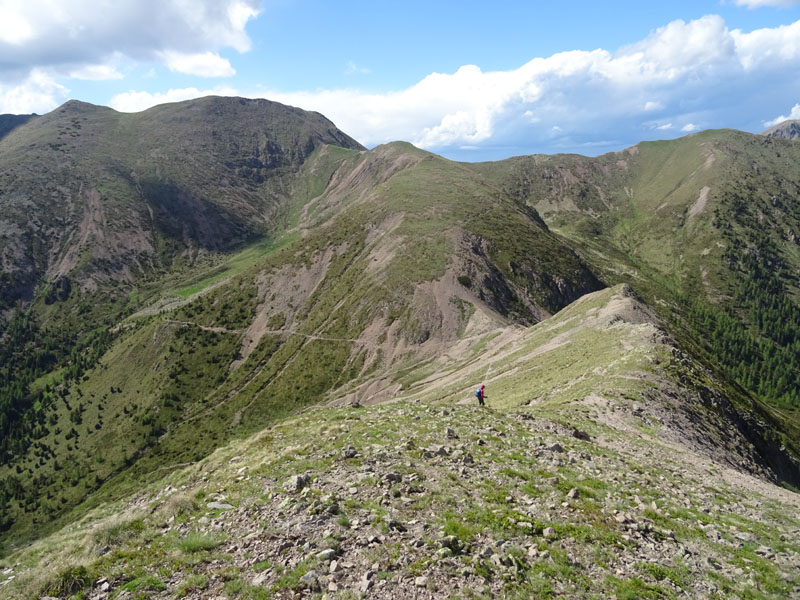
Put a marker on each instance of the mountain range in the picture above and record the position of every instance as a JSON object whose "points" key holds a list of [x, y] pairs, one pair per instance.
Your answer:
{"points": [[181, 284]]}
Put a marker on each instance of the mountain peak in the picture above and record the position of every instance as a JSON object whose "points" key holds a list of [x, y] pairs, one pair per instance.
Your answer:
{"points": [[789, 130], [79, 107]]}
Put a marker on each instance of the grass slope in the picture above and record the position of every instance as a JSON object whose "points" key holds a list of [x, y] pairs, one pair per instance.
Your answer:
{"points": [[345, 301], [581, 492]]}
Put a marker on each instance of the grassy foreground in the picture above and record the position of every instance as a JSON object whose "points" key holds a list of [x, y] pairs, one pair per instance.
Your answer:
{"points": [[586, 491]]}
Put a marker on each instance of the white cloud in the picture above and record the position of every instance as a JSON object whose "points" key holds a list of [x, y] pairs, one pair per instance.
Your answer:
{"points": [[95, 73], [86, 38], [697, 65], [768, 46], [38, 93], [759, 3], [14, 28], [690, 73], [794, 115], [207, 64], [699, 72]]}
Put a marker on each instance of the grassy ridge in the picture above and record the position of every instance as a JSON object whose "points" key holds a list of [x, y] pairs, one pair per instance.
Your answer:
{"points": [[711, 217], [166, 393]]}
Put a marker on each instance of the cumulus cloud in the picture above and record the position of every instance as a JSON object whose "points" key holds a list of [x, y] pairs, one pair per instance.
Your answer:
{"points": [[207, 64], [694, 68], [39, 33], [95, 73], [682, 77], [85, 39], [695, 74], [793, 115], [38, 93]]}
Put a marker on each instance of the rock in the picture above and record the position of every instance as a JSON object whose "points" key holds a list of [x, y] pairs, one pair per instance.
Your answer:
{"points": [[468, 459], [555, 448], [450, 433], [349, 452], [620, 518], [393, 478], [573, 493], [334, 567], [298, 482], [451, 543], [366, 582], [395, 525], [421, 581], [332, 586], [581, 435], [328, 554], [549, 532], [310, 581], [218, 506]]}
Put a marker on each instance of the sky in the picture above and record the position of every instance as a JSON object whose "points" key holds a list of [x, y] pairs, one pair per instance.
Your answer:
{"points": [[468, 80]]}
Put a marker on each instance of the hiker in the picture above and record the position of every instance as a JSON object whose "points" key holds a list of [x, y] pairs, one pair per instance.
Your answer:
{"points": [[480, 395]]}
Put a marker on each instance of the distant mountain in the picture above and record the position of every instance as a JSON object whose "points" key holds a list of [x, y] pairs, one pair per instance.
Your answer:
{"points": [[102, 197], [789, 130], [711, 219], [11, 122]]}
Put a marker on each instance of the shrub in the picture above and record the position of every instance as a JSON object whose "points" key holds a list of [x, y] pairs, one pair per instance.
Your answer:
{"points": [[198, 542], [68, 582]]}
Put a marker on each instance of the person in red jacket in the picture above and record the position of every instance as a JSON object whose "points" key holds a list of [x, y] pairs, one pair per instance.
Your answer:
{"points": [[481, 395]]}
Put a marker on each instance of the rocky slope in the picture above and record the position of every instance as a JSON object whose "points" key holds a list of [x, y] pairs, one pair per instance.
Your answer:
{"points": [[789, 130], [588, 489], [396, 255], [101, 197]]}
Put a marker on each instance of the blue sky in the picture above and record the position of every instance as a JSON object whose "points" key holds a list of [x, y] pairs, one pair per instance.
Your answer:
{"points": [[469, 80]]}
